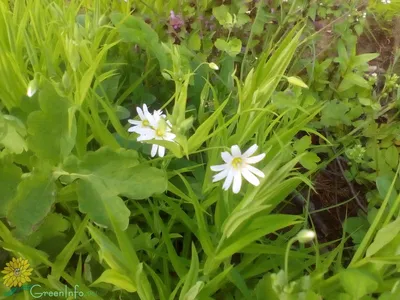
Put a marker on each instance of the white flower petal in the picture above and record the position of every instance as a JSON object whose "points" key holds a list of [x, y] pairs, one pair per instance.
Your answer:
{"points": [[237, 182], [140, 113], [161, 151], [255, 159], [227, 157], [228, 180], [220, 175], [217, 168], [169, 136], [146, 137], [255, 171], [236, 151], [146, 112], [134, 122], [154, 149], [250, 177], [136, 129], [250, 151]]}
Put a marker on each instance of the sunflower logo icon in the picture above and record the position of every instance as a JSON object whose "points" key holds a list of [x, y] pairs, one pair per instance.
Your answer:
{"points": [[17, 272]]}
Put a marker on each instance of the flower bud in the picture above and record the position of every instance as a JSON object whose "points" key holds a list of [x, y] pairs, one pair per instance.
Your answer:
{"points": [[305, 236], [213, 66], [32, 88]]}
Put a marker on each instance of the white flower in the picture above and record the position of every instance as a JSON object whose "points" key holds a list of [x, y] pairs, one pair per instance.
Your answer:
{"points": [[236, 165], [152, 127], [144, 116], [386, 1]]}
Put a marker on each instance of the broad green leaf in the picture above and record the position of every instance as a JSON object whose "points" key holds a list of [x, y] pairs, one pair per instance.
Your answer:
{"points": [[117, 279], [392, 156], [10, 177], [224, 18], [135, 30], [194, 41], [309, 160], [49, 136], [54, 225], [384, 236], [302, 144], [12, 134], [357, 283], [35, 196], [233, 47], [297, 81], [104, 176]]}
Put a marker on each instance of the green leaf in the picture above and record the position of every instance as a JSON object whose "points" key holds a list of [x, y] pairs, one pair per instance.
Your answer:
{"points": [[48, 129], [351, 79], [117, 279], [104, 176], [54, 225], [201, 134], [224, 18], [12, 134], [35, 196], [309, 160], [392, 156], [194, 41], [191, 276], [233, 47], [383, 237], [10, 177], [357, 283], [238, 241], [297, 81], [135, 30], [302, 144]]}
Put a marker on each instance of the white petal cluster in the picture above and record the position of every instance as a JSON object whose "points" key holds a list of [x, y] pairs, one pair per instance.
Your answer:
{"points": [[152, 127], [238, 165]]}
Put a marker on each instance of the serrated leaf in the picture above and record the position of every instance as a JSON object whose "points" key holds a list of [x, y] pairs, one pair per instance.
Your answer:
{"points": [[35, 196], [135, 30], [104, 176], [48, 129], [117, 279], [54, 225], [233, 47], [12, 134], [224, 18], [302, 144], [10, 177], [309, 160]]}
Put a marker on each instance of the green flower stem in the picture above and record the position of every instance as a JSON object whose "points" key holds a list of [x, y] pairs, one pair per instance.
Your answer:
{"points": [[290, 243]]}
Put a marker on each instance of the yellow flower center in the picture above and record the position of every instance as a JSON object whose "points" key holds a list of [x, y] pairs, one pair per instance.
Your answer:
{"points": [[145, 123], [160, 132], [17, 271], [236, 162]]}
